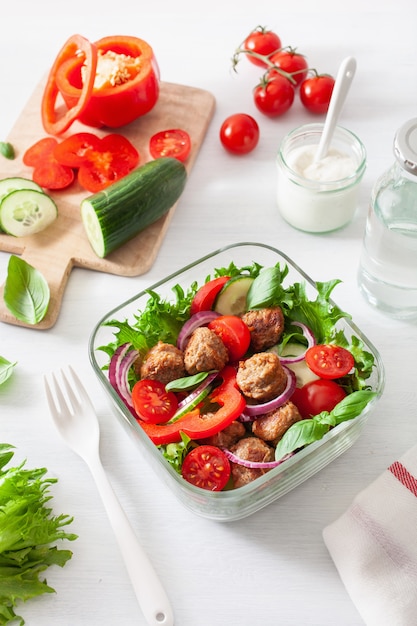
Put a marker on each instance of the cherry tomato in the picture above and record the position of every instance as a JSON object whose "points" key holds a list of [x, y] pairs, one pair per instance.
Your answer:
{"points": [[317, 396], [315, 93], [174, 143], [261, 41], [292, 62], [207, 467], [206, 295], [239, 133], [152, 402], [329, 361], [234, 333], [274, 96]]}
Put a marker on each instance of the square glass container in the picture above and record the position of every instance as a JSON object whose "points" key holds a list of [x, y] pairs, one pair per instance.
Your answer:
{"points": [[237, 503]]}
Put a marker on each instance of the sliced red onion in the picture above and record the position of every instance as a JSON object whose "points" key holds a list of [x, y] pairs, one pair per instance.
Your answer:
{"points": [[198, 319], [311, 341], [252, 410], [192, 396], [254, 464], [119, 367]]}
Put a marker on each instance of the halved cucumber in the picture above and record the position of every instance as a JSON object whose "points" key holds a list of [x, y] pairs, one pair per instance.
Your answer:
{"points": [[25, 212], [232, 298]]}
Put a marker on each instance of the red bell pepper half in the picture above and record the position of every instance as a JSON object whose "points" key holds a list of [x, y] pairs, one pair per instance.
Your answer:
{"points": [[228, 404]]}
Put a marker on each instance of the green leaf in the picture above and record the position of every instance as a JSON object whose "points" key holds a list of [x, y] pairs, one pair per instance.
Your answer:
{"points": [[266, 290], [187, 382], [26, 292], [352, 406], [7, 150], [6, 369], [299, 435]]}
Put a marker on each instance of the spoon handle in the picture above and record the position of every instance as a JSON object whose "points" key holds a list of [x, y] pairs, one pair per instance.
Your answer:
{"points": [[341, 87]]}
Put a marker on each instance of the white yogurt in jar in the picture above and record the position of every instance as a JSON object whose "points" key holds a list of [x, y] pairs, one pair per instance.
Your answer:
{"points": [[319, 196]]}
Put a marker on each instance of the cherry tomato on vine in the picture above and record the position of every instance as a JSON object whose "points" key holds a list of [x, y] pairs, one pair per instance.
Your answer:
{"points": [[317, 396], [174, 143], [234, 333], [315, 93], [292, 62], [152, 402], [329, 361], [239, 133], [274, 96], [261, 41], [207, 467]]}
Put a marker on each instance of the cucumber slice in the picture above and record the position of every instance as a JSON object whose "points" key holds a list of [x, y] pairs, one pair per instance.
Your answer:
{"points": [[7, 185], [25, 212], [232, 298]]}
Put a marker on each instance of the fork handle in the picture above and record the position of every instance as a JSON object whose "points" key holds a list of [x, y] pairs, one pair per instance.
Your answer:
{"points": [[149, 591]]}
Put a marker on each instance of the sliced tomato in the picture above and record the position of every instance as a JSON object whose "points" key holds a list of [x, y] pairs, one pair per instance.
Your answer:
{"points": [[207, 467], [329, 361], [174, 143], [47, 172], [317, 396], [152, 402], [206, 295], [234, 333]]}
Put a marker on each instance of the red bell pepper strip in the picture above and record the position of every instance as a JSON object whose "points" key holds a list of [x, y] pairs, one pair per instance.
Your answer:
{"points": [[79, 48], [47, 173], [231, 404], [118, 104]]}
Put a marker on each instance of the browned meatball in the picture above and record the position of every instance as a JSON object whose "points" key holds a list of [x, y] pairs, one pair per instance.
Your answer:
{"points": [[273, 425], [266, 327], [163, 362], [250, 449], [261, 377], [226, 437], [205, 351]]}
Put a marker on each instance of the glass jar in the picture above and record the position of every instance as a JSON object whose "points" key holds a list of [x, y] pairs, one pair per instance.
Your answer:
{"points": [[323, 196], [388, 264]]}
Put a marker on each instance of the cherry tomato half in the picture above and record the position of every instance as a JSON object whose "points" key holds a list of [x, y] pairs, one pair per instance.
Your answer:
{"points": [[152, 402], [234, 333], [206, 295], [261, 41], [274, 96], [291, 62], [317, 396], [239, 133], [315, 93], [174, 143], [207, 467], [329, 361]]}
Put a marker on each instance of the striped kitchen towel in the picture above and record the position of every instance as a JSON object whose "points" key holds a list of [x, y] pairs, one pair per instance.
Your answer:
{"points": [[374, 546]]}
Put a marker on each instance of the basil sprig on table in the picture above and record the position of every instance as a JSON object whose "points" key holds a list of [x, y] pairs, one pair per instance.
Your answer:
{"points": [[26, 292], [307, 431]]}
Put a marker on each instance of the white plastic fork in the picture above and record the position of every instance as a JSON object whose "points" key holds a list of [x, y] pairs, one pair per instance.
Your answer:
{"points": [[76, 421]]}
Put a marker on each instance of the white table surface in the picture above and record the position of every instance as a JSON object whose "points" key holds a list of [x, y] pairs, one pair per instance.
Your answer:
{"points": [[273, 567]]}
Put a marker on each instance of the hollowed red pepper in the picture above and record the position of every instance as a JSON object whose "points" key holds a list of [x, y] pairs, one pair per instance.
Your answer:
{"points": [[118, 104], [199, 426]]}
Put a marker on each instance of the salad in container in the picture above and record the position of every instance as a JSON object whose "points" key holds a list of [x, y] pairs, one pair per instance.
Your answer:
{"points": [[238, 376]]}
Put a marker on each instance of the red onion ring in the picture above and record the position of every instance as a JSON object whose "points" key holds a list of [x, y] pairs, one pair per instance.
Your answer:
{"points": [[254, 464], [198, 319], [119, 366], [252, 410], [311, 341]]}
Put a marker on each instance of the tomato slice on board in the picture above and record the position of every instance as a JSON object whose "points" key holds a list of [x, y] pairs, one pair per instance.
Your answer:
{"points": [[175, 143], [48, 172], [206, 295], [329, 361], [234, 333], [317, 396], [207, 467], [152, 402]]}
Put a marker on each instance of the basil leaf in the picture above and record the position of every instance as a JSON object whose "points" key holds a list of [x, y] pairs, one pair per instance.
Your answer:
{"points": [[187, 382], [299, 435], [6, 369], [266, 289], [26, 292], [7, 150], [352, 406]]}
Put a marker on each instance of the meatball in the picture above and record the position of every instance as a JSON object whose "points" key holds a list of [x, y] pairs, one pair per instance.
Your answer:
{"points": [[273, 425], [266, 327], [204, 351], [226, 437], [163, 362], [261, 377], [250, 449]]}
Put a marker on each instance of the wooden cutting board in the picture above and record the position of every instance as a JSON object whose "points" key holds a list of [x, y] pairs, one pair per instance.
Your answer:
{"points": [[64, 244]]}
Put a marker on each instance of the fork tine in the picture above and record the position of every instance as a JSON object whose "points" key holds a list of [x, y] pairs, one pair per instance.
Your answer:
{"points": [[51, 401], [80, 387]]}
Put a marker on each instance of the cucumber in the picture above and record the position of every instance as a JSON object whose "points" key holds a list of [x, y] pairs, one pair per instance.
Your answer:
{"points": [[26, 212], [232, 297], [113, 216], [7, 185]]}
